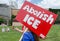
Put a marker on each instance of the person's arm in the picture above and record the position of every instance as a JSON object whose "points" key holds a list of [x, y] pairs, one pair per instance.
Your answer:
{"points": [[19, 30]]}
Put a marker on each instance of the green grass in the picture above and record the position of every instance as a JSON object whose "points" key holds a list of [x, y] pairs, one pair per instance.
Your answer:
{"points": [[9, 36], [53, 35]]}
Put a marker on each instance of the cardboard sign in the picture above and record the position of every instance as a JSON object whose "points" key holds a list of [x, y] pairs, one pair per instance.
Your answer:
{"points": [[37, 19]]}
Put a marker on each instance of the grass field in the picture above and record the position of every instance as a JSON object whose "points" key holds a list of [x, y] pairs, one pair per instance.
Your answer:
{"points": [[53, 35]]}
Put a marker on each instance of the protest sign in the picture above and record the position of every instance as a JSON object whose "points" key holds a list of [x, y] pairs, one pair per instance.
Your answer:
{"points": [[37, 19]]}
